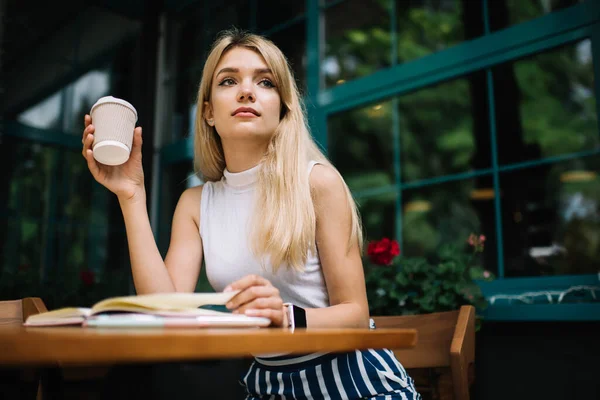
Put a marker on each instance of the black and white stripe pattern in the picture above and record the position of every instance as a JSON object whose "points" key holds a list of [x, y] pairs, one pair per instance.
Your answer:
{"points": [[356, 375]]}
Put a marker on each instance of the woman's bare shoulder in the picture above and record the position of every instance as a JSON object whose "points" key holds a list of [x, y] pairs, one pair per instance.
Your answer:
{"points": [[325, 179], [189, 202]]}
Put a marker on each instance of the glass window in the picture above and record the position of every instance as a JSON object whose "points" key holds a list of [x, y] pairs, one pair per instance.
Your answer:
{"points": [[270, 13], [44, 115], [378, 215], [545, 104], [30, 178], [64, 110], [23, 244], [361, 146], [551, 219], [362, 45], [447, 214], [359, 45], [292, 42], [505, 13], [426, 26], [58, 222], [444, 129]]}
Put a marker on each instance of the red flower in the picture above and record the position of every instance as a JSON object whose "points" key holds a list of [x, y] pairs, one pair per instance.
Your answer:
{"points": [[87, 277], [383, 252]]}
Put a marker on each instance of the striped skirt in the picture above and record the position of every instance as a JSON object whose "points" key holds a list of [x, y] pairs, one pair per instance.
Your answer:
{"points": [[367, 374]]}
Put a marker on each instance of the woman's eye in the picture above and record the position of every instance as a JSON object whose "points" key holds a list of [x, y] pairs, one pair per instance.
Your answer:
{"points": [[227, 82], [266, 83]]}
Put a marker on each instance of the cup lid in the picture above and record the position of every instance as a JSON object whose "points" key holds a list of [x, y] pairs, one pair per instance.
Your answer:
{"points": [[111, 99]]}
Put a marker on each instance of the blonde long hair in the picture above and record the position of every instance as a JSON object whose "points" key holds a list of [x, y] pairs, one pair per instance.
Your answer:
{"points": [[284, 226]]}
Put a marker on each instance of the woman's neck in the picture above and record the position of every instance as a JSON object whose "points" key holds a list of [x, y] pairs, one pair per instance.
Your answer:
{"points": [[241, 157]]}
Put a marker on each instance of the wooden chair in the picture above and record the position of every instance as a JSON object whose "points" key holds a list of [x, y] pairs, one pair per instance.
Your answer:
{"points": [[445, 339], [14, 313]]}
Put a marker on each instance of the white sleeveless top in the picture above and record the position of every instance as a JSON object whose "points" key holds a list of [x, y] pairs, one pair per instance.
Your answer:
{"points": [[225, 212]]}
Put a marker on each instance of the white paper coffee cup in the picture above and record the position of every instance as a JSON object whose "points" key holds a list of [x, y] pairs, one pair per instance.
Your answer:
{"points": [[114, 121]]}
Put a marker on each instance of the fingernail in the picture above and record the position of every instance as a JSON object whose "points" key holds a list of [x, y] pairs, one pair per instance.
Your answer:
{"points": [[235, 312], [227, 289], [251, 312], [229, 305]]}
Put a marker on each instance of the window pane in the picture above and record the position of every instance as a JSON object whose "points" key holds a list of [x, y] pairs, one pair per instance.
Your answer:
{"points": [[292, 42], [378, 215], [357, 41], [271, 13], [65, 109], [444, 129], [505, 13], [446, 214], [551, 219], [44, 115], [29, 177], [426, 27], [361, 146], [22, 245], [545, 104]]}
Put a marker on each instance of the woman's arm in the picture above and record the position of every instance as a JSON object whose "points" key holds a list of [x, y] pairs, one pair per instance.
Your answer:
{"points": [[181, 267], [150, 273], [342, 267]]}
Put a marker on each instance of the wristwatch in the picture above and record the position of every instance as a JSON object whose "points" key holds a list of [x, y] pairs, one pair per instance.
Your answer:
{"points": [[296, 316]]}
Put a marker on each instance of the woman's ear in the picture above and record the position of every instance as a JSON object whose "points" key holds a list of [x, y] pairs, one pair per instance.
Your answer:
{"points": [[208, 114]]}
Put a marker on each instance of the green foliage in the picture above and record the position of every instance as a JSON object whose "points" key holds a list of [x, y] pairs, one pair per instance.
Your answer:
{"points": [[416, 285]]}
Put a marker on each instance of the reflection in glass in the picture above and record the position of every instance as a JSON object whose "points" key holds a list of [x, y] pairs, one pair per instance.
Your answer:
{"points": [[551, 219], [64, 110], [292, 42], [30, 179], [505, 13], [378, 215], [426, 27], [439, 134], [22, 248], [356, 46], [44, 115], [361, 146], [545, 104], [446, 214]]}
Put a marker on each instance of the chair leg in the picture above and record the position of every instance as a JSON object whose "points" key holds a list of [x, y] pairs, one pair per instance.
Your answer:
{"points": [[460, 378]]}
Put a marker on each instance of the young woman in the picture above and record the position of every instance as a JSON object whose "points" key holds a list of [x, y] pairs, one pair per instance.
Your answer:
{"points": [[274, 220]]}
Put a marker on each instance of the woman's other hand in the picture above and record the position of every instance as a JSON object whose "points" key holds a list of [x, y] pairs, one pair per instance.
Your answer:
{"points": [[257, 298], [125, 180]]}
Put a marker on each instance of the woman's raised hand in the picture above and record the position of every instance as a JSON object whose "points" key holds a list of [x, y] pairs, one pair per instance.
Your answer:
{"points": [[257, 298], [125, 180]]}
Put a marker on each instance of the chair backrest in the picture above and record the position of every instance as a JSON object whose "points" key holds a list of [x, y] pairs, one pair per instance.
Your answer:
{"points": [[15, 312], [441, 336], [445, 339]]}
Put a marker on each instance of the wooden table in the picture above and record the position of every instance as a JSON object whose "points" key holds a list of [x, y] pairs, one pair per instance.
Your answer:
{"points": [[20, 346]]}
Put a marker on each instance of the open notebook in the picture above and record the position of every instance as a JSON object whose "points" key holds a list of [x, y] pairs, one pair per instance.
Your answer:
{"points": [[162, 310]]}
